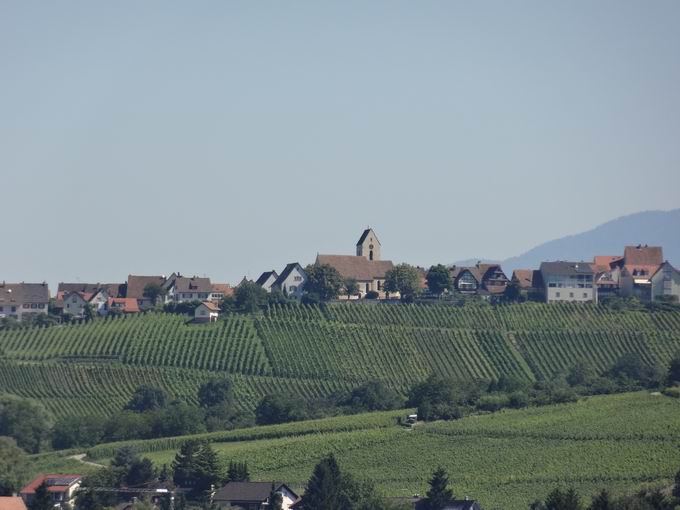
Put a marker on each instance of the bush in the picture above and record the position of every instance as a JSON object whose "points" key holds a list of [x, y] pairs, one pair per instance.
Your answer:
{"points": [[372, 294], [518, 400], [673, 392], [493, 402]]}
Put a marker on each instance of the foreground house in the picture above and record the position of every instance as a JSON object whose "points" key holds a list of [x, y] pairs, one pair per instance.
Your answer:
{"points": [[366, 267], [186, 289], [636, 269], [253, 495], [291, 281], [206, 312], [567, 281], [63, 489], [23, 300]]}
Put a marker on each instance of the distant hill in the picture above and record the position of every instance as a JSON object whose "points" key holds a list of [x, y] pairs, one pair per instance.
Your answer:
{"points": [[660, 228]]}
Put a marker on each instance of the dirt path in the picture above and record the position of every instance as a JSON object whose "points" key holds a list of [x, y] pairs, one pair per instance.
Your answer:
{"points": [[81, 458]]}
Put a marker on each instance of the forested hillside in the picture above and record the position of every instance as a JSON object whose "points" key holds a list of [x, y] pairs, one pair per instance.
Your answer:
{"points": [[312, 351]]}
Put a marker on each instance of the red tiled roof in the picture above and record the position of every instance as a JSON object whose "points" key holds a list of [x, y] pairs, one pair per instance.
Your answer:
{"points": [[128, 305], [55, 482], [211, 306], [224, 288], [12, 503]]}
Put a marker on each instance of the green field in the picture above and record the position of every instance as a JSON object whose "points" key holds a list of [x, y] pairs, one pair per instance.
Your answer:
{"points": [[312, 352], [505, 459]]}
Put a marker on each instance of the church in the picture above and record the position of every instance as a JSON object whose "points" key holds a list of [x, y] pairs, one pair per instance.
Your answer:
{"points": [[366, 267]]}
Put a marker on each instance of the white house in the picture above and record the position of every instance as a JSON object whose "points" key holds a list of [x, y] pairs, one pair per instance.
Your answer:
{"points": [[253, 495], [21, 300], [666, 282], [291, 281], [206, 312]]}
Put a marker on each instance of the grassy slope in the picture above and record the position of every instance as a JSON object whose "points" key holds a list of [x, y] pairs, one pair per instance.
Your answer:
{"points": [[94, 368], [505, 459]]}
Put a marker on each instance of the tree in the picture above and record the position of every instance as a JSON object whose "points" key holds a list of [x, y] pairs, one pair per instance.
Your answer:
{"points": [[249, 297], [404, 279], [275, 499], [147, 398], [582, 373], [324, 489], [438, 279], [438, 495], [558, 500], [601, 501], [140, 472], [374, 396], [153, 291], [216, 392], [88, 313], [184, 464], [324, 280], [280, 408], [208, 472], [673, 376], [70, 431], [13, 466], [25, 420], [676, 486], [238, 472], [351, 287]]}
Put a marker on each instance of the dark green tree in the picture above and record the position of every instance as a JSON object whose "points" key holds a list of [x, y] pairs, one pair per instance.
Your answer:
{"points": [[216, 392], [140, 472], [275, 499], [153, 292], [25, 420], [71, 431], [184, 464], [280, 408], [147, 398], [324, 489], [249, 297], [438, 279], [676, 486], [351, 287], [238, 472], [209, 472], [438, 495], [404, 279], [602, 501], [42, 500], [324, 280], [88, 313], [13, 466], [374, 396], [567, 500], [673, 376]]}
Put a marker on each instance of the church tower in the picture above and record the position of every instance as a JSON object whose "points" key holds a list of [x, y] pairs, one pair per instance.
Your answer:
{"points": [[368, 245]]}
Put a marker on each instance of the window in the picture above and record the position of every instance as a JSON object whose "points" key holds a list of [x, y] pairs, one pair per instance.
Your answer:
{"points": [[2, 308], [571, 294], [585, 295], [14, 308], [298, 278], [557, 294], [34, 305], [552, 284], [292, 288], [379, 285], [26, 305]]}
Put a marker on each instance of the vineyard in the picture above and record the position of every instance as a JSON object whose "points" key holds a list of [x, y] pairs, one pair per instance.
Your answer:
{"points": [[314, 351], [506, 459]]}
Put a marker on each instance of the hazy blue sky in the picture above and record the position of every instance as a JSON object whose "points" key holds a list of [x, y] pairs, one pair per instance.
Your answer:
{"points": [[228, 138]]}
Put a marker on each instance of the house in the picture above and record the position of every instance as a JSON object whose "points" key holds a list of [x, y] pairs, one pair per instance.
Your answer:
{"points": [[528, 283], [253, 495], [190, 289], [366, 267], [135, 289], [123, 305], [267, 279], [74, 303], [207, 311], [23, 300], [220, 291], [291, 281], [666, 283], [12, 503], [567, 281], [636, 268], [483, 279], [63, 489], [112, 289]]}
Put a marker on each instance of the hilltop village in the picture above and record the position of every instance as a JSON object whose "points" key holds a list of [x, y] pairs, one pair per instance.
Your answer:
{"points": [[639, 272]]}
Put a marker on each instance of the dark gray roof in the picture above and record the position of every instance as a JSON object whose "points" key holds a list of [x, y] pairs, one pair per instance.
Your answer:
{"points": [[563, 268], [265, 276], [286, 272], [248, 491], [365, 234], [24, 293], [194, 284]]}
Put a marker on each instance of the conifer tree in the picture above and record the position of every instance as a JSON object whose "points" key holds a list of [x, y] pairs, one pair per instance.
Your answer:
{"points": [[601, 502], [324, 489], [439, 495], [184, 465], [208, 469], [42, 499]]}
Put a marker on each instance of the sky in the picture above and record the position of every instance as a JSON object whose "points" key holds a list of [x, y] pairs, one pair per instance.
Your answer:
{"points": [[229, 138]]}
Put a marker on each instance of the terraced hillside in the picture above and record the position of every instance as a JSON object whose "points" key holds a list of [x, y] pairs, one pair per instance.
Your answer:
{"points": [[506, 459], [312, 351]]}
